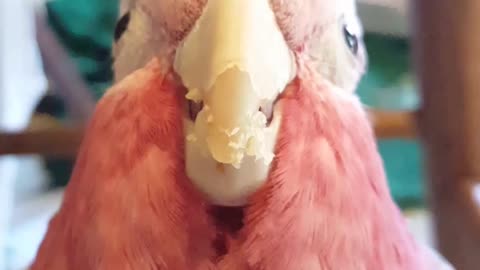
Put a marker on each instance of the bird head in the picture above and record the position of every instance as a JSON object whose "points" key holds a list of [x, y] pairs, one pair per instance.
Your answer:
{"points": [[235, 59]]}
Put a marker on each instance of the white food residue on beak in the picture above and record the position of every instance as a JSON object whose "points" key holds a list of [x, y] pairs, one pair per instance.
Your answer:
{"points": [[234, 60]]}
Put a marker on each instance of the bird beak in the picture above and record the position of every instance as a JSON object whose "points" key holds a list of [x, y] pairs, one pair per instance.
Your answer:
{"points": [[235, 61]]}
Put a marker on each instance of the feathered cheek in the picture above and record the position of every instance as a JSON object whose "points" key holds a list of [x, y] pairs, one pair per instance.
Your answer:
{"points": [[175, 17], [300, 20]]}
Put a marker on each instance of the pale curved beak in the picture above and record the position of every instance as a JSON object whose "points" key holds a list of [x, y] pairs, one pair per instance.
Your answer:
{"points": [[234, 60]]}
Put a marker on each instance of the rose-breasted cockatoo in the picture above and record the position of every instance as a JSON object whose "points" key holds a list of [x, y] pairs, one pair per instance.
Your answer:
{"points": [[232, 140]]}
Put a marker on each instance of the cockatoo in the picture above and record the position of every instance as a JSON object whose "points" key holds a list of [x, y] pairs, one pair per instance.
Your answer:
{"points": [[232, 140]]}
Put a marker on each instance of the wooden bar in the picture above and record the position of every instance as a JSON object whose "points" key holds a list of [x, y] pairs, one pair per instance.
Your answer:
{"points": [[447, 55], [56, 142], [393, 124], [64, 141]]}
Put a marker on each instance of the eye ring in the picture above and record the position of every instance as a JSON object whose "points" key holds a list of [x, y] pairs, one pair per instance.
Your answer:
{"points": [[351, 40]]}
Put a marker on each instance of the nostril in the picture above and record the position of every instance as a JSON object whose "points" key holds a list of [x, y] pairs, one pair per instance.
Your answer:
{"points": [[267, 110], [194, 108]]}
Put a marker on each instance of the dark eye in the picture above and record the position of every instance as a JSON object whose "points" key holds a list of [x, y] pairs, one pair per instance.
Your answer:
{"points": [[121, 26], [351, 40]]}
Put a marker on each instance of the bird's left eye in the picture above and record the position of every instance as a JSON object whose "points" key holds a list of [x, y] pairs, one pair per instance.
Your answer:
{"points": [[350, 39], [121, 26]]}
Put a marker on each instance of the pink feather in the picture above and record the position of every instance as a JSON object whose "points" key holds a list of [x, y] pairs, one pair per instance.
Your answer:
{"points": [[129, 204], [326, 205]]}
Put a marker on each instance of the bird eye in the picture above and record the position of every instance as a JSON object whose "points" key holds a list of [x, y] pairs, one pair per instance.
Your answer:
{"points": [[121, 26], [350, 39]]}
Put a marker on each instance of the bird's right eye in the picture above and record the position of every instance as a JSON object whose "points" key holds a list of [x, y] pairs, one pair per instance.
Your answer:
{"points": [[121, 26], [351, 39]]}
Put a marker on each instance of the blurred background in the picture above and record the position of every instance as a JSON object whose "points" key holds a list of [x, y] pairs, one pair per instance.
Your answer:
{"points": [[55, 62]]}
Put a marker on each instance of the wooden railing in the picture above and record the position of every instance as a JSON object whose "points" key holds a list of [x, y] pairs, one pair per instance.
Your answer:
{"points": [[447, 59], [64, 141], [51, 142]]}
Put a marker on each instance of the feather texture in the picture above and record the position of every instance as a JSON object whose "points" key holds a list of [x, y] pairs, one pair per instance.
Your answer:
{"points": [[128, 201], [326, 205]]}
